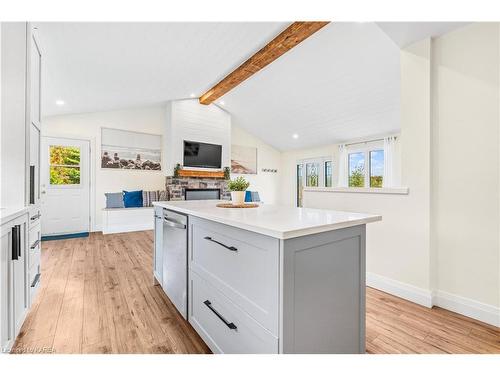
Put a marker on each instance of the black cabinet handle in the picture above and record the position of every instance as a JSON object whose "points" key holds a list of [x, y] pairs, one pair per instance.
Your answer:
{"points": [[231, 248], [15, 245], [19, 250], [34, 217], [35, 280], [229, 325], [35, 244]]}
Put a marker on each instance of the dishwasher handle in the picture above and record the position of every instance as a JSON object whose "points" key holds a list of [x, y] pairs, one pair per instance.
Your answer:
{"points": [[173, 223]]}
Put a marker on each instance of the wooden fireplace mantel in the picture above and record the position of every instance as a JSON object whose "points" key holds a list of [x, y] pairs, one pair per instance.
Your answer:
{"points": [[201, 174]]}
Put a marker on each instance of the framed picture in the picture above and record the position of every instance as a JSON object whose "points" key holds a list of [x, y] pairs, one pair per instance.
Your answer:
{"points": [[243, 159], [124, 149]]}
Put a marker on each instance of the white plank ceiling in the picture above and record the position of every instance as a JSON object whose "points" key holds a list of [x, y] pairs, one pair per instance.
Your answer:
{"points": [[342, 83]]}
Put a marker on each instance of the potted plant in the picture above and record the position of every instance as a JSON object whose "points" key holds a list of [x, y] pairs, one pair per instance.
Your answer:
{"points": [[227, 173], [177, 169], [237, 188]]}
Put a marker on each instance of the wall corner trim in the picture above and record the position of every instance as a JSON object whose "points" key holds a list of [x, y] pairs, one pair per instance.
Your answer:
{"points": [[406, 291], [471, 308]]}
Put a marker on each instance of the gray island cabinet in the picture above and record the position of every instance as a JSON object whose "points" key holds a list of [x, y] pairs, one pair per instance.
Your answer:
{"points": [[274, 279]]}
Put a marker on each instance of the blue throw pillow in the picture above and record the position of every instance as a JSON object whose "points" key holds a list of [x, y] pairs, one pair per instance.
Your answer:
{"points": [[248, 196], [132, 198]]}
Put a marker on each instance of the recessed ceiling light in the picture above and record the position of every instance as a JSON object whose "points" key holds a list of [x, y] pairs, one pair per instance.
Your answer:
{"points": [[295, 136], [59, 102], [192, 95], [221, 102]]}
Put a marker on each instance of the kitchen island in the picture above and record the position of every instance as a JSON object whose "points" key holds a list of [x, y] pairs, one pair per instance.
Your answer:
{"points": [[271, 279]]}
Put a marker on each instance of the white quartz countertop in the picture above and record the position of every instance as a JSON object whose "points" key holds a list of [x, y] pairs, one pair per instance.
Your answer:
{"points": [[9, 213], [276, 221]]}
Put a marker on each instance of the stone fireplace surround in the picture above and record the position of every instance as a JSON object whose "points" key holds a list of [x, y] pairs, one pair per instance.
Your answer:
{"points": [[175, 186]]}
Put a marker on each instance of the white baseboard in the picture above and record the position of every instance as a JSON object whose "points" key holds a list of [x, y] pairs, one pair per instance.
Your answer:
{"points": [[468, 307], [406, 291], [473, 309]]}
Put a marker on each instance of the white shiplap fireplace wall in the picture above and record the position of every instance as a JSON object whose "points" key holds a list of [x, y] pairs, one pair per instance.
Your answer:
{"points": [[190, 120]]}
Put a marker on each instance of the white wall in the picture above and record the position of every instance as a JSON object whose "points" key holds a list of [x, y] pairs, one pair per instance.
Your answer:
{"points": [[466, 161], [266, 183], [88, 126], [440, 244], [189, 120], [398, 248]]}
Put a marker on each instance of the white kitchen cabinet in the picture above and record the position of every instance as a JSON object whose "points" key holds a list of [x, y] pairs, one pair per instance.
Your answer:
{"points": [[13, 278]]}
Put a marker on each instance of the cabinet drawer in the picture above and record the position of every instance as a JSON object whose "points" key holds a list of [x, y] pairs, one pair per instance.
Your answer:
{"points": [[242, 265], [34, 246], [224, 326]]}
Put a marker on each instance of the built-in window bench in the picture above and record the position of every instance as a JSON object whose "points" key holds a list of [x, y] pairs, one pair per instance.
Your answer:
{"points": [[118, 220]]}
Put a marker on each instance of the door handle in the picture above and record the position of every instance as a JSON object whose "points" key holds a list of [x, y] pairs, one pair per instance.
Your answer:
{"points": [[15, 247], [230, 325], [230, 248], [34, 217], [35, 244], [35, 280], [174, 224]]}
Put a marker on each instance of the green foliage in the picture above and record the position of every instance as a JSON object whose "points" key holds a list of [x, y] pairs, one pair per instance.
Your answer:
{"points": [[177, 169], [227, 173], [64, 169], [64, 175], [357, 177], [376, 181], [239, 184], [63, 155], [312, 180]]}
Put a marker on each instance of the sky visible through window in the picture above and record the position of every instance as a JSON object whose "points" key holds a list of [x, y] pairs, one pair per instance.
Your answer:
{"points": [[377, 163], [356, 161]]}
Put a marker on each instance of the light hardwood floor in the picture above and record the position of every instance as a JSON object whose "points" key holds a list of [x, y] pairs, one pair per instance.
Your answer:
{"points": [[97, 296]]}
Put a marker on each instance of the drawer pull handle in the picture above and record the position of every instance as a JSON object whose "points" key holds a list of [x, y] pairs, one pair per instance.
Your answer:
{"points": [[231, 248], [229, 325], [35, 280], [37, 216], [35, 244]]}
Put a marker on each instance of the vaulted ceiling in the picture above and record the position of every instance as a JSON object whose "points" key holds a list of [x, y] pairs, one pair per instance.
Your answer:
{"points": [[341, 83]]}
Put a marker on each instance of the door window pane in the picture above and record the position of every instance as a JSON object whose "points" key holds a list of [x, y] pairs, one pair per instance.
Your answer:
{"points": [[357, 169], [328, 173], [299, 185], [64, 175], [64, 165], [376, 168], [312, 174]]}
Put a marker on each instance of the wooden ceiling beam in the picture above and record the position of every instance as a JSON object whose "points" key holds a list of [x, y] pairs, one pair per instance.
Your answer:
{"points": [[284, 42]]}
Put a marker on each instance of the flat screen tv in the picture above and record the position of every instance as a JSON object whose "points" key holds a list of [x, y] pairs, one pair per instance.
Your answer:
{"points": [[202, 155]]}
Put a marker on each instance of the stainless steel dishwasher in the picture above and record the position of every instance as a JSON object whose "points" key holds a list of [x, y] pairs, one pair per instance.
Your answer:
{"points": [[175, 259]]}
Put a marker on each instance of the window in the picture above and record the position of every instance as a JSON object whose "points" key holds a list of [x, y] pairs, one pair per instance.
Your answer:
{"points": [[299, 185], [317, 172], [312, 174], [328, 173], [357, 169], [376, 168], [366, 167], [64, 165]]}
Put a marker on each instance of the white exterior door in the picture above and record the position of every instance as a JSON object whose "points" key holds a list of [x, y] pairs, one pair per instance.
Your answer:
{"points": [[65, 186]]}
